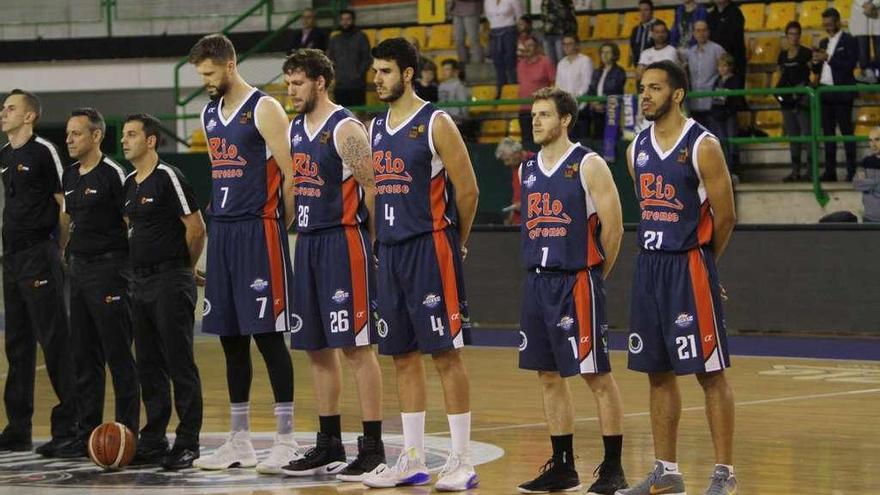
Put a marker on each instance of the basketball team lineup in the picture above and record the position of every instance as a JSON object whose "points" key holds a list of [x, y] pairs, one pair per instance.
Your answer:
{"points": [[383, 213]]}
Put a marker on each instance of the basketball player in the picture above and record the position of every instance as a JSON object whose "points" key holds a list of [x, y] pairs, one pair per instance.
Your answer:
{"points": [[97, 252], [33, 281], [687, 216], [166, 238], [425, 204], [571, 236], [333, 272], [248, 261]]}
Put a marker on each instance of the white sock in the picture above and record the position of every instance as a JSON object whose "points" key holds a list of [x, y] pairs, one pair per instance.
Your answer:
{"points": [[669, 467], [414, 431], [729, 468], [460, 431], [284, 418], [240, 416]]}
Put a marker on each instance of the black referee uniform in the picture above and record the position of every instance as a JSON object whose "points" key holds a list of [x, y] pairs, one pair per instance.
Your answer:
{"points": [[163, 304], [33, 290], [100, 309]]}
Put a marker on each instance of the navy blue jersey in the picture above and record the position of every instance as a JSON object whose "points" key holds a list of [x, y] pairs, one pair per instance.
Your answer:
{"points": [[414, 195], [675, 211], [327, 195], [560, 228], [246, 181]]}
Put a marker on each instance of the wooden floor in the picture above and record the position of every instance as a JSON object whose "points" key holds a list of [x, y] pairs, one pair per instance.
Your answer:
{"points": [[804, 426]]}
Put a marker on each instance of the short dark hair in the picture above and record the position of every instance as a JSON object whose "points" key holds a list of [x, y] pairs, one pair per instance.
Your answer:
{"points": [[573, 36], [401, 51], [525, 18], [30, 100], [675, 75], [659, 22], [451, 62], [96, 120], [216, 47], [152, 126], [564, 101], [615, 50], [313, 62], [793, 25], [349, 12], [649, 3], [831, 12]]}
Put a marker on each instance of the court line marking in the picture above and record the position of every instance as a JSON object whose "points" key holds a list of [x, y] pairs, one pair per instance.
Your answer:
{"points": [[684, 409]]}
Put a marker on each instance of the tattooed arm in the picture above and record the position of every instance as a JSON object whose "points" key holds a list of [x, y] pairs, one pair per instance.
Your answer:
{"points": [[353, 146]]}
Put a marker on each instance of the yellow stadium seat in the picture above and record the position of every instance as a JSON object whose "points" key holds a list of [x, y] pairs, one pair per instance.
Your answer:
{"points": [[630, 20], [387, 33], [765, 50], [484, 34], [492, 130], [769, 121], [583, 27], [666, 15], [844, 7], [811, 13], [758, 80], [607, 26], [629, 87], [480, 93], [754, 14], [807, 40], [373, 98], [868, 116], [197, 141], [509, 92], [780, 14], [862, 130], [744, 120], [513, 129], [441, 37], [371, 36], [418, 33], [592, 51], [625, 52]]}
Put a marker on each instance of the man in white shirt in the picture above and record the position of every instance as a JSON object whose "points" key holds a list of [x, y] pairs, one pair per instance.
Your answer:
{"points": [[573, 75], [661, 49]]}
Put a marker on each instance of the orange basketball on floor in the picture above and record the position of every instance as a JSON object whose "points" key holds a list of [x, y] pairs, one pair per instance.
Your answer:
{"points": [[111, 446]]}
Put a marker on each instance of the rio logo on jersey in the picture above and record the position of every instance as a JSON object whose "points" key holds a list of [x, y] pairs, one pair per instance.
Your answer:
{"points": [[389, 168], [305, 171], [542, 209], [655, 193], [224, 155]]}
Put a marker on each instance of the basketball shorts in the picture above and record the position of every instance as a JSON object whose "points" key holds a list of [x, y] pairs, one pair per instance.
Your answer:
{"points": [[563, 323], [421, 301], [676, 318], [248, 278], [333, 286]]}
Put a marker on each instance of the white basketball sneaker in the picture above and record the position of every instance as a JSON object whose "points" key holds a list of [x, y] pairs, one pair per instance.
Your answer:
{"points": [[283, 451], [457, 475], [238, 451], [409, 470]]}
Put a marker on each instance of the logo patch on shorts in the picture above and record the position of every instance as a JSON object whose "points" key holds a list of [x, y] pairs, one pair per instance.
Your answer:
{"points": [[642, 159], [431, 300], [340, 296], [635, 343], [112, 299], [40, 283], [382, 328], [259, 285], [524, 341], [565, 323], [684, 320], [296, 323], [206, 308]]}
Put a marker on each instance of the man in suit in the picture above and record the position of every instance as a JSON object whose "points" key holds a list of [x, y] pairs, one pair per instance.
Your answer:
{"points": [[310, 36], [834, 62]]}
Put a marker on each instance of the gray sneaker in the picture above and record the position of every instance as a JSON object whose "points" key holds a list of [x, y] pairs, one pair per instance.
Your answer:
{"points": [[721, 482], [657, 483]]}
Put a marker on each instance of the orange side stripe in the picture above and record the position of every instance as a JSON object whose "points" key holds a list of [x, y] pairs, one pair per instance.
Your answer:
{"points": [[273, 184], [276, 266], [447, 278], [360, 296], [349, 201], [438, 201], [594, 255], [705, 227], [584, 310], [703, 301]]}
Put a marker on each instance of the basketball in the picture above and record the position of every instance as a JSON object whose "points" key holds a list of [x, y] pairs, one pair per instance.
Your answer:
{"points": [[111, 446]]}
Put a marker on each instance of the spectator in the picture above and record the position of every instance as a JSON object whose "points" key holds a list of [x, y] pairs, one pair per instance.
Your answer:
{"points": [[864, 24], [573, 74], [426, 84], [686, 15], [727, 26], [834, 62], [512, 154], [502, 16], [794, 67], [725, 108], [524, 31], [466, 24], [309, 36], [350, 52], [702, 64], [608, 80], [660, 51], [868, 179], [534, 72], [558, 20], [640, 39], [453, 89]]}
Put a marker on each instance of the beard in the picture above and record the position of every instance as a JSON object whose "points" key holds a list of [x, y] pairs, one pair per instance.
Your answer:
{"points": [[396, 92], [309, 103], [217, 92], [550, 136], [663, 110]]}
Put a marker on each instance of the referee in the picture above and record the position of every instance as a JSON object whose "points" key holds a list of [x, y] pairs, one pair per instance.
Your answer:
{"points": [[33, 281], [97, 251], [166, 237]]}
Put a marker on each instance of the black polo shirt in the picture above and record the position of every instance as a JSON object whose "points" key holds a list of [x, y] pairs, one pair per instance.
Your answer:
{"points": [[31, 176], [94, 202], [154, 208]]}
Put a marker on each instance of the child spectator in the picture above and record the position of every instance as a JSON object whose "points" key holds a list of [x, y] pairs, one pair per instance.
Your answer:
{"points": [[867, 179]]}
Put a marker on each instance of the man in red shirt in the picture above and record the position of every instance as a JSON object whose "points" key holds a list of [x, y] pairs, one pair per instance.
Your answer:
{"points": [[533, 71], [512, 154]]}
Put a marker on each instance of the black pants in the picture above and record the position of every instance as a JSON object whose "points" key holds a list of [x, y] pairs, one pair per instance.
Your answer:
{"points": [[100, 322], [838, 113], [163, 306], [33, 285], [525, 125], [350, 97]]}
